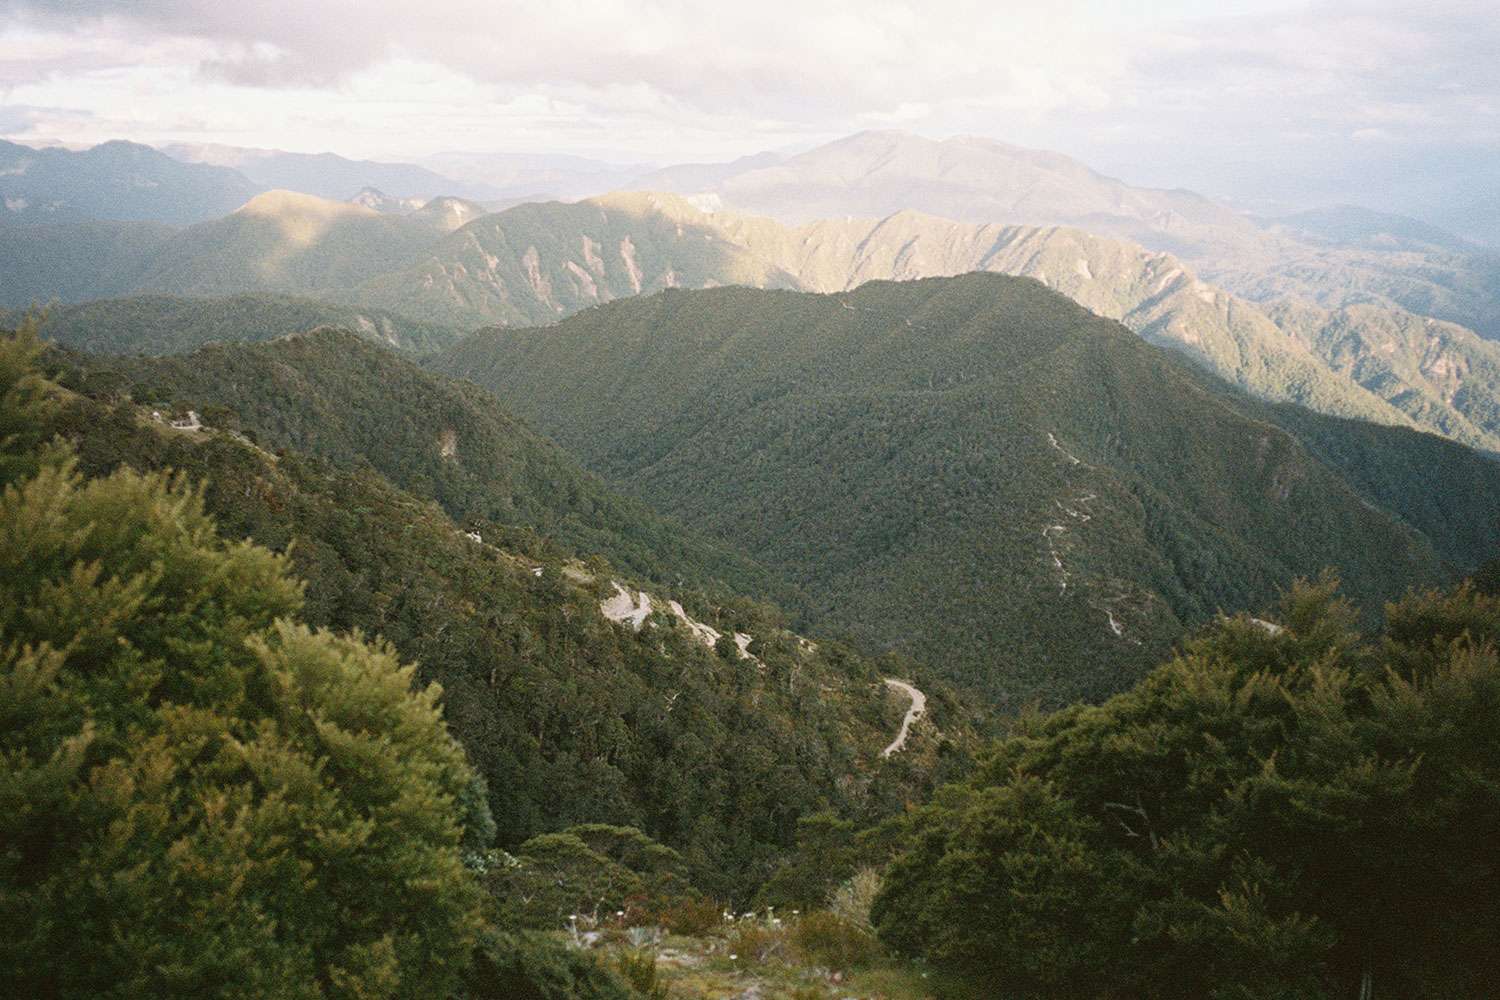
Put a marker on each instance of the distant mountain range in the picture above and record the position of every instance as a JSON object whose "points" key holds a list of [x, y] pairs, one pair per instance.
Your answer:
{"points": [[113, 182], [980, 473], [1331, 258], [181, 185], [327, 175], [1349, 312], [536, 263], [481, 177]]}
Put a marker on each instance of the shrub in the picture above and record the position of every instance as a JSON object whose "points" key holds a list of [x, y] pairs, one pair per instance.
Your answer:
{"points": [[693, 918], [756, 943], [851, 901], [202, 798], [829, 940], [638, 968], [518, 967]]}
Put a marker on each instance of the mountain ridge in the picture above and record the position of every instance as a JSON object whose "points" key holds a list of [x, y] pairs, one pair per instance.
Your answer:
{"points": [[978, 179], [538, 262], [940, 466]]}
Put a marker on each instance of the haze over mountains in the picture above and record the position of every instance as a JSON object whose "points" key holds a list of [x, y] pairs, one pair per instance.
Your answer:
{"points": [[1348, 313], [534, 263], [1381, 259], [713, 505], [115, 181]]}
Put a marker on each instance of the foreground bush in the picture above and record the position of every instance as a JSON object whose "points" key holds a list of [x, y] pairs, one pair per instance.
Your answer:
{"points": [[199, 797], [522, 967], [831, 941], [1283, 811]]}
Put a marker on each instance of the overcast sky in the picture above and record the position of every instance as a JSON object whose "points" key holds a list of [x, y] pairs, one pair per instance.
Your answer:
{"points": [[1392, 105]]}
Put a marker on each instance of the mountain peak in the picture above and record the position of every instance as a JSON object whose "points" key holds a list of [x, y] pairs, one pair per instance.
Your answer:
{"points": [[284, 204]]}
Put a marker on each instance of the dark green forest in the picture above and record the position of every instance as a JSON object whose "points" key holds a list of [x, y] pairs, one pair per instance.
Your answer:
{"points": [[569, 718], [164, 324], [334, 396], [1287, 809], [318, 700], [979, 473]]}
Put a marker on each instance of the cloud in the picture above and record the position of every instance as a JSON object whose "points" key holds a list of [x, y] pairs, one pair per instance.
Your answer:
{"points": [[774, 58], [1265, 98], [1334, 68]]}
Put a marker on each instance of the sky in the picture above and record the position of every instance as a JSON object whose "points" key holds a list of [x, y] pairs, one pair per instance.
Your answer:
{"points": [[1264, 103]]}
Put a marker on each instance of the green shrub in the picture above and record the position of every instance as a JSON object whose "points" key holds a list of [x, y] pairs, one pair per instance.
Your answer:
{"points": [[638, 968], [756, 943], [518, 967], [693, 918], [829, 940], [852, 900]]}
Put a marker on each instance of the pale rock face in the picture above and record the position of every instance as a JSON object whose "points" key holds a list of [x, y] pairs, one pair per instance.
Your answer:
{"points": [[627, 254], [623, 607], [918, 706], [583, 283], [539, 283], [591, 258]]}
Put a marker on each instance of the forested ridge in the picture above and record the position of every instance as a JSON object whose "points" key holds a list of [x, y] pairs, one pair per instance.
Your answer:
{"points": [[1287, 809], [330, 394], [570, 718], [347, 631], [1343, 345], [166, 324], [980, 473]]}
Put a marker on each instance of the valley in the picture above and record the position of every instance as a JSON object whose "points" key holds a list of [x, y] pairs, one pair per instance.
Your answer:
{"points": [[892, 568], [980, 440]]}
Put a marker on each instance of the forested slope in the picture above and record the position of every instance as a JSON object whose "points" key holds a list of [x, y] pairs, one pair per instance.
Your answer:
{"points": [[330, 394], [166, 324], [972, 470], [570, 718]]}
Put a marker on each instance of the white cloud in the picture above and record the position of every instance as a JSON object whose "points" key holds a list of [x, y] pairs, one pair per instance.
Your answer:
{"points": [[776, 57], [1255, 96]]}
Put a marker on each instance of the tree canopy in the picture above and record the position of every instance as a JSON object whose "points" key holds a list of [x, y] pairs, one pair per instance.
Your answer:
{"points": [[198, 795], [1282, 811]]}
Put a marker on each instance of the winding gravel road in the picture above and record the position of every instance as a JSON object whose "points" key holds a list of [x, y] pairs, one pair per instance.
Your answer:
{"points": [[918, 706]]}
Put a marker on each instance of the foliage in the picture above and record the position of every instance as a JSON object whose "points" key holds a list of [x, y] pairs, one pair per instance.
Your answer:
{"points": [[584, 873], [754, 941], [638, 968], [512, 967], [1282, 811], [568, 718], [826, 939], [355, 405], [202, 797], [162, 324], [826, 853], [980, 474], [853, 899], [693, 917]]}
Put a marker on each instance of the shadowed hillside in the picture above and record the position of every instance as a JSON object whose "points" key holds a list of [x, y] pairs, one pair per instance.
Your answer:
{"points": [[972, 470]]}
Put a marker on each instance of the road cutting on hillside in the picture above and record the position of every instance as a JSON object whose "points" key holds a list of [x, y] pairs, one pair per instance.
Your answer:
{"points": [[918, 706]]}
